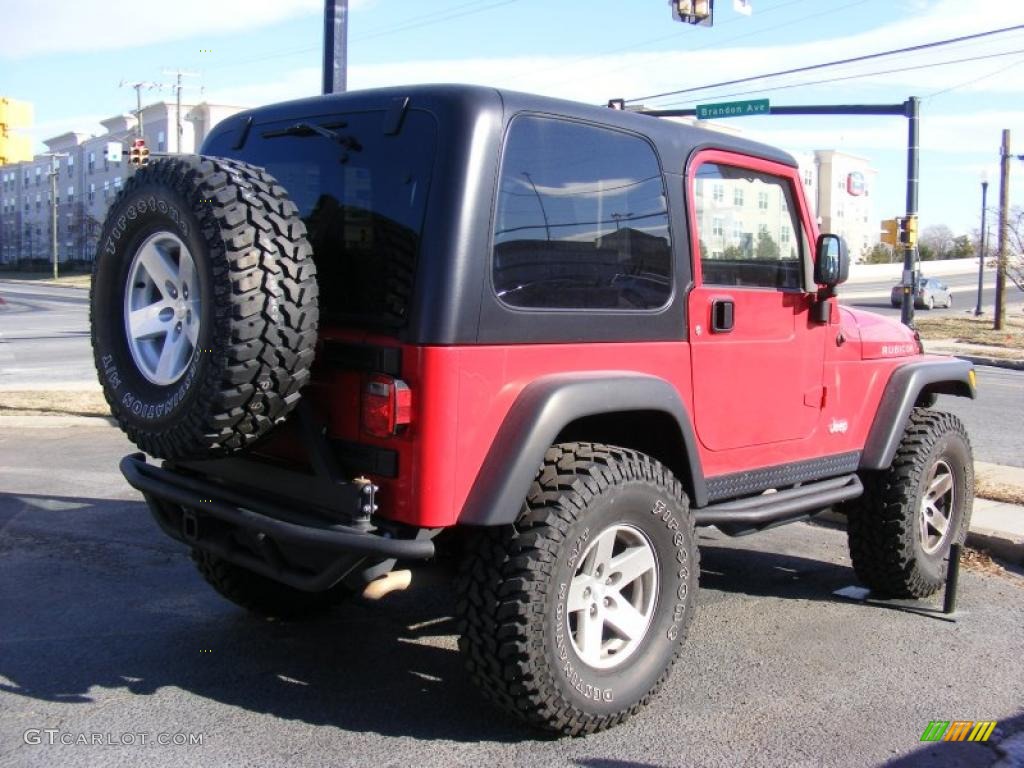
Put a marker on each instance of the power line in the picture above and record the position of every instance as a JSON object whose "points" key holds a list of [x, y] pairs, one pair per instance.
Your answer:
{"points": [[675, 36], [824, 65], [763, 30], [431, 14], [435, 18], [862, 75], [453, 12], [976, 79]]}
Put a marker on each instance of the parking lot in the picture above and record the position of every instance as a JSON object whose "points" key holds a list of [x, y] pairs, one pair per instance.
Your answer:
{"points": [[108, 630]]}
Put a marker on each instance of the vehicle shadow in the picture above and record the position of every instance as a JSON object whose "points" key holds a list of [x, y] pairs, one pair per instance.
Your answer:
{"points": [[944, 754], [728, 567], [82, 610]]}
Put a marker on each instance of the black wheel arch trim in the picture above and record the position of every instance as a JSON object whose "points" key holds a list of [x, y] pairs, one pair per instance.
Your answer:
{"points": [[542, 410], [905, 385]]}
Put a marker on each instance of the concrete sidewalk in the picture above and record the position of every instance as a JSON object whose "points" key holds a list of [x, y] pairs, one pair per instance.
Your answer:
{"points": [[999, 528]]}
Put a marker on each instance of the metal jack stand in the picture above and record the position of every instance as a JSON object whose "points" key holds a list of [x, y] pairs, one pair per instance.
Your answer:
{"points": [[948, 611]]}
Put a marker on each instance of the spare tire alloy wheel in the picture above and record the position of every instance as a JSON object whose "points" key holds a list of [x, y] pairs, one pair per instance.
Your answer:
{"points": [[572, 619], [203, 306], [162, 309]]}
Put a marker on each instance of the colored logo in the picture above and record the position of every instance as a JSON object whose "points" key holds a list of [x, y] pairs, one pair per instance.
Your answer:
{"points": [[855, 184], [958, 730]]}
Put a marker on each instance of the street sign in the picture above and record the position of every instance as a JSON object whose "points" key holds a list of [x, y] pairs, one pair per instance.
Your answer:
{"points": [[733, 109]]}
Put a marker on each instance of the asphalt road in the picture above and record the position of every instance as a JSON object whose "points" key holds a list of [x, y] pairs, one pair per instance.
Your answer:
{"points": [[105, 628], [44, 337], [874, 296], [995, 419]]}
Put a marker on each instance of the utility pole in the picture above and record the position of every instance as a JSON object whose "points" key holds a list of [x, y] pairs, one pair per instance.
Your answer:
{"points": [[1004, 204], [54, 170], [981, 245], [335, 46], [138, 86], [179, 73]]}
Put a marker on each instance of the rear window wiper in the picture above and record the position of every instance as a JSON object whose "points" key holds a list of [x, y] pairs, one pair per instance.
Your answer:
{"points": [[309, 129]]}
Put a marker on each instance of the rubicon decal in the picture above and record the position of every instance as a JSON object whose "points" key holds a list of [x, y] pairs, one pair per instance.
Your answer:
{"points": [[958, 730]]}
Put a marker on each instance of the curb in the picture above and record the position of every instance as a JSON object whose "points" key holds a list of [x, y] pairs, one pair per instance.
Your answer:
{"points": [[949, 347], [53, 420], [994, 362], [47, 283], [998, 543]]}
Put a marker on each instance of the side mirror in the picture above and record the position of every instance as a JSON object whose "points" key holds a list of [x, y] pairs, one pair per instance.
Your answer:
{"points": [[832, 266]]}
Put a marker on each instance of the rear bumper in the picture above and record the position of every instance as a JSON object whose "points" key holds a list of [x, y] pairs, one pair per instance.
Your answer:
{"points": [[284, 542]]}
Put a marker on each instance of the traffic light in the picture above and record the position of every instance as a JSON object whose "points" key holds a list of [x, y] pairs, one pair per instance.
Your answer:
{"points": [[139, 153], [908, 232], [694, 11], [890, 232]]}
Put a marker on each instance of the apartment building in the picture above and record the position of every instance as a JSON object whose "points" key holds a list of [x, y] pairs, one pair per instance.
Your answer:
{"points": [[845, 198], [88, 178]]}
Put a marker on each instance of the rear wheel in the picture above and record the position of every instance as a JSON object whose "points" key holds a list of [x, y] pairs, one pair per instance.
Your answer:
{"points": [[901, 529], [572, 619]]}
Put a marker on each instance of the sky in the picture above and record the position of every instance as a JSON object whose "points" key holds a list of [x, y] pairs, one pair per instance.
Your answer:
{"points": [[69, 57]]}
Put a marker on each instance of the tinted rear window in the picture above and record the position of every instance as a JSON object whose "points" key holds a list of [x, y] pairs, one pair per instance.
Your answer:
{"points": [[363, 205]]}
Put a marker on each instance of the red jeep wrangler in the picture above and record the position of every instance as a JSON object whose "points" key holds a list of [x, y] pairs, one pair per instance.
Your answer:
{"points": [[358, 327]]}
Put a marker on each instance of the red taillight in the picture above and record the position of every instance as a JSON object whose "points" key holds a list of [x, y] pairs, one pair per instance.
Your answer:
{"points": [[387, 405]]}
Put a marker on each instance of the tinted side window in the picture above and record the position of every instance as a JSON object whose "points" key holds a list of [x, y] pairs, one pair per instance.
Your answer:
{"points": [[750, 236], [363, 204], [582, 219]]}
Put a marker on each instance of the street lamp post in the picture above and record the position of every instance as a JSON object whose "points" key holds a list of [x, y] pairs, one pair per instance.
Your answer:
{"points": [[981, 245]]}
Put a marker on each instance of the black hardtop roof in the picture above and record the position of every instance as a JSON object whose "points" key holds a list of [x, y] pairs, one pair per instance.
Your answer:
{"points": [[675, 141]]}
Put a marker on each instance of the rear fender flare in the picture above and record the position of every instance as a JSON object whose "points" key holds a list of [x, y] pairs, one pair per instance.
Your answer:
{"points": [[542, 410]]}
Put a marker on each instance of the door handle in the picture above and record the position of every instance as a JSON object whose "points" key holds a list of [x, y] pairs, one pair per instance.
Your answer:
{"points": [[722, 315]]}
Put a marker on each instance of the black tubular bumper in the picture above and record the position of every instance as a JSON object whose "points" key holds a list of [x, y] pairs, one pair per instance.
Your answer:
{"points": [[254, 531]]}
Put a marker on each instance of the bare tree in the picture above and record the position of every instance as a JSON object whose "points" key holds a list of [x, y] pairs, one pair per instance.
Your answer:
{"points": [[1015, 247], [938, 240]]}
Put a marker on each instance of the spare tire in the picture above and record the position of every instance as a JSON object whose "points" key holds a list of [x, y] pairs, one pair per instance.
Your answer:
{"points": [[203, 306]]}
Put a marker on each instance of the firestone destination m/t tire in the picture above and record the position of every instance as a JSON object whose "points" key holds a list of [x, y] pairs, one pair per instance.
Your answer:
{"points": [[203, 306], [572, 619], [901, 529]]}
